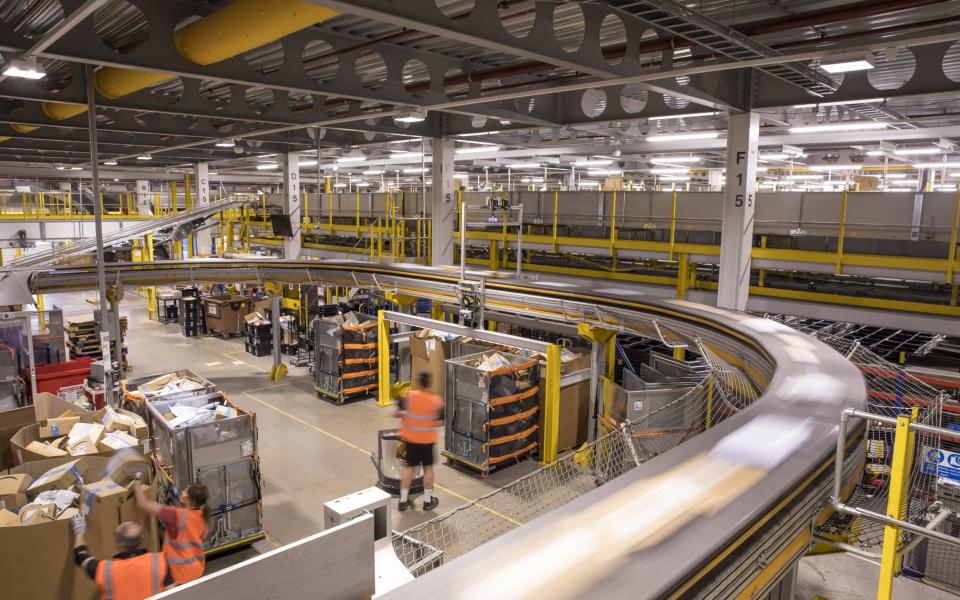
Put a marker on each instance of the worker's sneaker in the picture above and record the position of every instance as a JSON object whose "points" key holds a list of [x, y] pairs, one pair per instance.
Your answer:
{"points": [[404, 505], [431, 504]]}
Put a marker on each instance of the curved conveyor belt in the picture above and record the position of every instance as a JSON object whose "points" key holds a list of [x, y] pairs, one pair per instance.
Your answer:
{"points": [[668, 528]]}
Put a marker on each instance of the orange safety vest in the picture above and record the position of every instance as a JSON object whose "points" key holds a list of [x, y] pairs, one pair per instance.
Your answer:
{"points": [[420, 418], [133, 578], [185, 552]]}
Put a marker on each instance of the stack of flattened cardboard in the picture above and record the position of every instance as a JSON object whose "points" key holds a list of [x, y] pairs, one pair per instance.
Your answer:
{"points": [[94, 433], [35, 533], [184, 415], [45, 406]]}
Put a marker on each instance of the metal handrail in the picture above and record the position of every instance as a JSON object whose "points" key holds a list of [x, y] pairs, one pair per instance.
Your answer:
{"points": [[846, 509]]}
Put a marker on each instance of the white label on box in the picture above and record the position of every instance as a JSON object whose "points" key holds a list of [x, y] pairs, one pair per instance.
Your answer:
{"points": [[105, 349], [246, 446], [638, 405]]}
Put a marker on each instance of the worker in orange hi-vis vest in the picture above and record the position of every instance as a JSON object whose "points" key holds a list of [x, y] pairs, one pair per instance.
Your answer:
{"points": [[132, 573], [184, 530], [420, 413]]}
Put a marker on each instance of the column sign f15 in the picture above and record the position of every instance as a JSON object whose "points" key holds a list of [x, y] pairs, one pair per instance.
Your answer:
{"points": [[739, 200]]}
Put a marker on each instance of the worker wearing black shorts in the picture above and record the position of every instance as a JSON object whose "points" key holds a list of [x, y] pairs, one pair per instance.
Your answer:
{"points": [[420, 413]]}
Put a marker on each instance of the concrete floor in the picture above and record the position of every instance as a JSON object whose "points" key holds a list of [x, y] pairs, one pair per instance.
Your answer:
{"points": [[313, 451]]}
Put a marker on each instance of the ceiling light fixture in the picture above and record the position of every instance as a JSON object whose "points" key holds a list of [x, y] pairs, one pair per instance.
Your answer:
{"points": [[110, 163], [668, 171], [350, 159], [675, 178], [686, 116], [26, 68], [847, 64], [308, 163], [144, 157], [413, 116], [677, 137], [373, 172], [225, 144], [414, 170], [675, 159], [936, 165], [841, 103], [477, 150], [268, 166], [835, 127], [524, 166], [915, 151]]}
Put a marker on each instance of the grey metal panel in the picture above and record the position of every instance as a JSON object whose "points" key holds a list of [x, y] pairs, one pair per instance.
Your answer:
{"points": [[878, 215], [699, 210], [936, 217], [578, 207], [661, 207], [777, 213], [819, 211], [336, 563], [635, 207]]}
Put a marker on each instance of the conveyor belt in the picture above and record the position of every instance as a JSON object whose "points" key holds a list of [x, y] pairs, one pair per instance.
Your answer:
{"points": [[667, 527]]}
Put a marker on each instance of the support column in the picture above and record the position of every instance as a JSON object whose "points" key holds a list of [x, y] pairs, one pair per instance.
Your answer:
{"points": [[738, 207], [204, 236], [442, 203], [291, 205], [144, 200]]}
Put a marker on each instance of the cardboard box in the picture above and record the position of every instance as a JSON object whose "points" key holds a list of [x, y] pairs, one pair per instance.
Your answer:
{"points": [[13, 490], [8, 519], [43, 552], [574, 411], [85, 431], [223, 411], [122, 420], [37, 449], [35, 513], [428, 353], [105, 494], [68, 513], [58, 427], [61, 477], [117, 440], [82, 447]]}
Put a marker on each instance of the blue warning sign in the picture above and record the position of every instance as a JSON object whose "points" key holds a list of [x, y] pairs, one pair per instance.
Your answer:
{"points": [[941, 463]]}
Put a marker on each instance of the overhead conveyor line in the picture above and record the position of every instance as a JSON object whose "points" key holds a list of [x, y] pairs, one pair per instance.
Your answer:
{"points": [[671, 526], [49, 257]]}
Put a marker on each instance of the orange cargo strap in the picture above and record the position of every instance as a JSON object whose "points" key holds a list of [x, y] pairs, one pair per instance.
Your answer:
{"points": [[358, 374], [361, 388], [360, 327], [512, 418], [513, 369], [513, 398], [512, 438], [370, 346], [359, 361], [496, 459]]}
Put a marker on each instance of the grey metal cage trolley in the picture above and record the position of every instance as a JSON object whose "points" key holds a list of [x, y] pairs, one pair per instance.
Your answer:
{"points": [[220, 454], [345, 363], [491, 416]]}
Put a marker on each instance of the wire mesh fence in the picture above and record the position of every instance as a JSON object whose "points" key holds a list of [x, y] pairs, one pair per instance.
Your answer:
{"points": [[891, 392], [621, 446]]}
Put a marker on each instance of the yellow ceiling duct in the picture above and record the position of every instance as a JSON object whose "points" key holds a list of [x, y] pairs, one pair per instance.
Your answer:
{"points": [[232, 30], [23, 128]]}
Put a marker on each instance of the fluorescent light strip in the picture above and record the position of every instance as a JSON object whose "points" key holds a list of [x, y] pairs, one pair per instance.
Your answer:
{"points": [[675, 178], [835, 167], [847, 66], [599, 162], [676, 137], [477, 150], [668, 171], [350, 159], [909, 151], [268, 166], [937, 165], [831, 127], [675, 159], [841, 103], [686, 116]]}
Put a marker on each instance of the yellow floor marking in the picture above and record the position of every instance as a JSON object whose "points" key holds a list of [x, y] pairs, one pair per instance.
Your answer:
{"points": [[367, 452]]}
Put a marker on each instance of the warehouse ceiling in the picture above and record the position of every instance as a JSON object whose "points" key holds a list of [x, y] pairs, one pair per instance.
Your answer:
{"points": [[558, 81]]}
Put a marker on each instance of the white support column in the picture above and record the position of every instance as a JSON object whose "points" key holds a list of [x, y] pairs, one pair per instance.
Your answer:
{"points": [[739, 203], [442, 203], [291, 205], [144, 201], [204, 236]]}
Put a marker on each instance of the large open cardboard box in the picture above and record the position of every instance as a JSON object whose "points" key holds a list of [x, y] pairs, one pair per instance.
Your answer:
{"points": [[21, 440], [38, 559], [45, 406]]}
